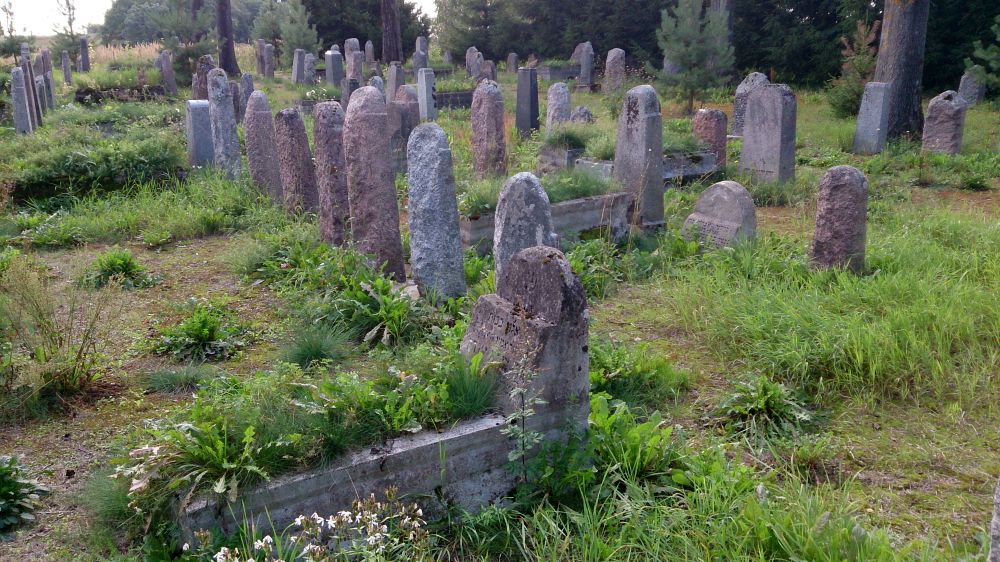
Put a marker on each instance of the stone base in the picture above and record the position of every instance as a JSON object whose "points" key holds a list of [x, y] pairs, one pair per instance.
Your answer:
{"points": [[453, 100], [558, 73], [677, 168]]}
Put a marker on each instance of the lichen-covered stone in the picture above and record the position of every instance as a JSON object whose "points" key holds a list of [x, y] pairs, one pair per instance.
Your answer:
{"points": [[523, 219], [298, 178], [331, 172], [262, 146], [749, 85], [489, 144], [841, 220], [724, 215], [944, 126]]}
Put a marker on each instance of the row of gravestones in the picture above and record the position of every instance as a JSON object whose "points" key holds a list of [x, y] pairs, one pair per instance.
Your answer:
{"points": [[32, 89], [583, 54]]}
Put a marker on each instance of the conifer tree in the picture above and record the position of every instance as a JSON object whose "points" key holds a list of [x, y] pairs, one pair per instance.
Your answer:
{"points": [[692, 41]]}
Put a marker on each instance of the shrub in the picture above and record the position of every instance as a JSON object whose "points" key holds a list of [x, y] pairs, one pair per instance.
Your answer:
{"points": [[118, 265], [314, 345], [844, 93], [601, 147], [19, 496], [184, 380], [205, 334], [472, 384], [455, 83], [760, 408]]}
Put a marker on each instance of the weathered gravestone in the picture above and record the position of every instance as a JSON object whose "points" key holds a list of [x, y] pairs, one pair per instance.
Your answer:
{"points": [[841, 208], [487, 71], [200, 83], [258, 51], [298, 178], [237, 95], [471, 64], [557, 106], [351, 46], [582, 115], [945, 123], [723, 216], [614, 71], [426, 96], [769, 135], [19, 99], [526, 117], [710, 126], [298, 66], [407, 95], [872, 127], [355, 66], [309, 69], [489, 145], [167, 75], [422, 44], [198, 125], [369, 52], [85, 54], [67, 68], [420, 60], [262, 146], [435, 242], [347, 89], [523, 219], [639, 155], [446, 57], [536, 327], [371, 182], [377, 83], [30, 87], [246, 90], [972, 88], [586, 78], [578, 51], [994, 554], [269, 61], [511, 63], [334, 66], [331, 172], [750, 84], [396, 78], [225, 140], [43, 96]]}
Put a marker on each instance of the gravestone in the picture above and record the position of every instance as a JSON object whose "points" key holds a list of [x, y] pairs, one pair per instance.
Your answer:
{"points": [[446, 57], [577, 56], [262, 146], [535, 326], [399, 128], [331, 172], [33, 99], [50, 89], [526, 117], [586, 79], [614, 71], [971, 88], [221, 112], [422, 44], [334, 67], [199, 86], [872, 127], [79, 63], [723, 216], [198, 126], [246, 90], [426, 95], [43, 95], [710, 126], [46, 61], [19, 101], [351, 46], [369, 52], [489, 145], [309, 69], [841, 207], [420, 61], [299, 66], [639, 155], [487, 71], [471, 68], [347, 88], [477, 64], [355, 66], [298, 178], [435, 242], [376, 82], [396, 77], [269, 61], [407, 95], [769, 135], [167, 75], [85, 54], [557, 108], [750, 84], [258, 50], [234, 89], [371, 182], [67, 68], [945, 123], [523, 219], [582, 115], [511, 63]]}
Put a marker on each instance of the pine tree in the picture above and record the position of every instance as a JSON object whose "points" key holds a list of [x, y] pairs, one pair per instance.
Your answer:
{"points": [[986, 59], [296, 31], [224, 31], [693, 42], [267, 24]]}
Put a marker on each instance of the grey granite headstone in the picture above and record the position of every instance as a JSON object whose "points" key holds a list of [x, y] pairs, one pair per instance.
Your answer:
{"points": [[167, 75], [769, 135], [750, 84], [512, 61], [225, 140], [334, 67], [435, 244], [527, 101], [945, 123], [199, 85], [309, 69], [557, 107], [67, 68], [200, 150], [369, 52], [426, 97], [298, 178], [614, 70], [351, 46], [639, 155], [523, 219], [872, 127], [371, 182], [269, 61], [586, 78], [971, 88], [234, 90], [19, 99], [710, 126], [355, 62], [298, 66], [422, 44], [331, 172], [582, 115], [85, 54], [246, 90], [577, 56], [262, 146], [471, 66], [723, 216], [841, 208], [377, 83], [489, 145], [396, 78]]}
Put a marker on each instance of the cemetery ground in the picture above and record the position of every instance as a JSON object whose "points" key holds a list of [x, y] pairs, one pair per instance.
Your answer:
{"points": [[880, 445]]}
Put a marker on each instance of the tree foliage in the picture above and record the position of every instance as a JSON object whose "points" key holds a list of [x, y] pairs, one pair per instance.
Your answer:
{"points": [[986, 59], [694, 41], [338, 20], [296, 31]]}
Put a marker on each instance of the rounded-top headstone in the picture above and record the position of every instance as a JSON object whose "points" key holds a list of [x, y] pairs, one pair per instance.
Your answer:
{"points": [[972, 88], [614, 70], [523, 219], [489, 144], [262, 145], [540, 281], [582, 115], [841, 220], [724, 215], [944, 126], [753, 82], [331, 172], [557, 109]]}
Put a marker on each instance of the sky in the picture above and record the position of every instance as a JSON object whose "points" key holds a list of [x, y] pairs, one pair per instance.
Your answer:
{"points": [[39, 17]]}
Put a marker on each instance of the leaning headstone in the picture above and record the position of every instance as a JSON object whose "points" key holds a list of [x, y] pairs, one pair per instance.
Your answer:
{"points": [[377, 83], [639, 155], [246, 90], [971, 88], [511, 63], [945, 123], [67, 68], [198, 125], [42, 96], [523, 219], [396, 79], [750, 84], [309, 69], [29, 84], [50, 97], [331, 172], [298, 178], [435, 245], [85, 54], [872, 127], [234, 89], [426, 94], [299, 66], [489, 145], [200, 84], [369, 52], [557, 108], [262, 146], [221, 112], [723, 216], [371, 182], [582, 115], [769, 134], [841, 207], [527, 101], [19, 99], [614, 71], [334, 67], [355, 62], [535, 326], [167, 75], [269, 61], [710, 126], [471, 67]]}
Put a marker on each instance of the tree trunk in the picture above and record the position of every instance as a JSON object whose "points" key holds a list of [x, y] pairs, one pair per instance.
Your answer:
{"points": [[196, 6], [392, 41], [227, 48], [901, 63]]}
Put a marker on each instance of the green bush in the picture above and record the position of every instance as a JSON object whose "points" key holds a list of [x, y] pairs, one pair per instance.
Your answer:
{"points": [[118, 265], [206, 334], [19, 496], [314, 345]]}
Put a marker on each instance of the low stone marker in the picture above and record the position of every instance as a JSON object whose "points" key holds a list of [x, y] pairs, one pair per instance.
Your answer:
{"points": [[523, 219], [582, 115], [246, 90], [262, 146], [225, 140], [769, 135], [67, 68], [331, 172], [945, 123], [396, 78], [435, 242], [426, 94], [750, 84], [614, 71], [269, 60], [841, 211], [198, 126], [334, 66], [527, 101], [557, 106], [298, 178], [299, 66], [309, 69], [872, 127], [511, 63], [85, 54], [371, 182], [489, 144], [723, 216], [639, 155], [19, 99], [711, 126], [199, 87], [167, 76], [971, 88]]}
